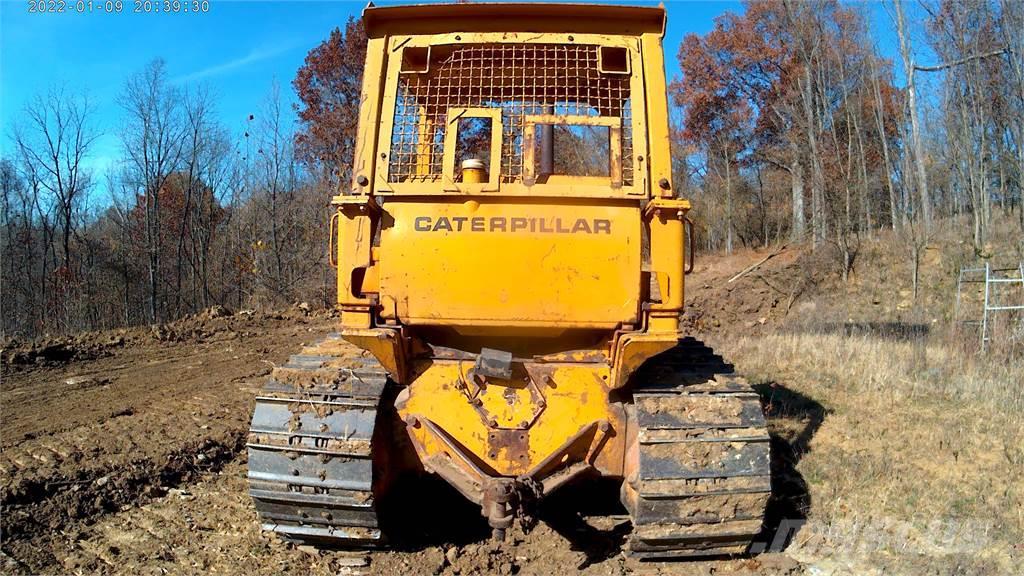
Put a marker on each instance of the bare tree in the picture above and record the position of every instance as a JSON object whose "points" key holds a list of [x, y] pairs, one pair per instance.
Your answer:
{"points": [[1011, 24], [152, 139], [883, 137], [287, 212], [55, 140], [907, 54]]}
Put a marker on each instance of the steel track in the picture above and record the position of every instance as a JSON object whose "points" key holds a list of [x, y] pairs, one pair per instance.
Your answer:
{"points": [[310, 447], [702, 477]]}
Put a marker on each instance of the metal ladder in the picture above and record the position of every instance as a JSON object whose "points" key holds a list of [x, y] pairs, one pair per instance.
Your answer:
{"points": [[993, 278]]}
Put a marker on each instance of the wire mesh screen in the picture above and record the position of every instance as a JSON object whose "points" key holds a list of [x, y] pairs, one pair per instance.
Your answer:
{"points": [[521, 80]]}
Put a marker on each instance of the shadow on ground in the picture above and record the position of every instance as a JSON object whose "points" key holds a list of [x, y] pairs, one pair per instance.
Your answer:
{"points": [[422, 511], [892, 331], [590, 516], [793, 419]]}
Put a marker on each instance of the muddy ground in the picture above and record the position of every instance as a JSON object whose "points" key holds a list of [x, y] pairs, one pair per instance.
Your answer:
{"points": [[123, 453]]}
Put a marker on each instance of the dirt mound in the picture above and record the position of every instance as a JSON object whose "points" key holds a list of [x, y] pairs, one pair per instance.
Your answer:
{"points": [[55, 351], [747, 292], [215, 324]]}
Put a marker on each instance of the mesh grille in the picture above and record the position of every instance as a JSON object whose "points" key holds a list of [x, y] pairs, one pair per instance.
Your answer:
{"points": [[521, 80]]}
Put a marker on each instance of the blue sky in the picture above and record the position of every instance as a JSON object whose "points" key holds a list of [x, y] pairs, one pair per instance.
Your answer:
{"points": [[239, 48]]}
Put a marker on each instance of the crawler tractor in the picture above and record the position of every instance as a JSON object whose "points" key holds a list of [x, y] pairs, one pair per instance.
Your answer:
{"points": [[511, 256]]}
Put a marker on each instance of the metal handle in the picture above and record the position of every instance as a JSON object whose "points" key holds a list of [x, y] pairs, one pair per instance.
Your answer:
{"points": [[689, 245], [332, 255]]}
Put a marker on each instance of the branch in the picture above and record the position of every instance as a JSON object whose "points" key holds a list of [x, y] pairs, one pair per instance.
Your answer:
{"points": [[773, 162], [964, 60], [756, 264]]}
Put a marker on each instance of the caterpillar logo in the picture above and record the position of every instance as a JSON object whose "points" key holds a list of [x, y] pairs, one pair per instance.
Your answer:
{"points": [[514, 224]]}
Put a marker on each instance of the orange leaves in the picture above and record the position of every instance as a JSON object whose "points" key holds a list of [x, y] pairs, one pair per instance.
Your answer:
{"points": [[713, 103], [328, 86]]}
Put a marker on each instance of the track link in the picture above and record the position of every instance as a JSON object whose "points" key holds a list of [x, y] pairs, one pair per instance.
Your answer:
{"points": [[311, 443], [701, 478]]}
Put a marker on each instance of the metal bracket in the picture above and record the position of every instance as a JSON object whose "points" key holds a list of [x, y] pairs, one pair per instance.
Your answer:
{"points": [[493, 363]]}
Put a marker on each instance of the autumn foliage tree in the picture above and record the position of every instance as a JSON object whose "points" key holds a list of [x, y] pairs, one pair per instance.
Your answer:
{"points": [[797, 93], [789, 92], [328, 86]]}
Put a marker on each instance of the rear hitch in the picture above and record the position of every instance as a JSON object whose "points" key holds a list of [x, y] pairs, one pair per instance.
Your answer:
{"points": [[508, 499], [498, 503]]}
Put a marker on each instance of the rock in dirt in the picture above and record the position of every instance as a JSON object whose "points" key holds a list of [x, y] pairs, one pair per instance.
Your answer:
{"points": [[452, 555], [352, 561], [84, 382], [216, 311], [310, 550], [435, 558]]}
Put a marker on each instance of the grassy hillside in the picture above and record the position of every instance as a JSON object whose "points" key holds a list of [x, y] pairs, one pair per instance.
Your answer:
{"points": [[896, 440]]}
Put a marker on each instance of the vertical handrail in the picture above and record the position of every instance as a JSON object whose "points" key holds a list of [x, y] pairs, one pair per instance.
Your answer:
{"points": [[688, 246], [1020, 267], [984, 313], [956, 308], [332, 252]]}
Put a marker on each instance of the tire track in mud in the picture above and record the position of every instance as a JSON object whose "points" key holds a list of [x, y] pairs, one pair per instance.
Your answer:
{"points": [[37, 509], [208, 527], [212, 528], [176, 413], [52, 483]]}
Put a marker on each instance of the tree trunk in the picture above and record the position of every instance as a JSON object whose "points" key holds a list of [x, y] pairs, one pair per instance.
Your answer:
{"points": [[796, 176], [883, 136], [728, 203], [817, 177], [918, 147]]}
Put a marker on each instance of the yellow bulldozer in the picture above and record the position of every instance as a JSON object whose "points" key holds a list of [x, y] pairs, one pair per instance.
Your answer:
{"points": [[511, 256]]}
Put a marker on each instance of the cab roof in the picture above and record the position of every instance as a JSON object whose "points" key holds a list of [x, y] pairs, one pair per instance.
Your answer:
{"points": [[513, 17]]}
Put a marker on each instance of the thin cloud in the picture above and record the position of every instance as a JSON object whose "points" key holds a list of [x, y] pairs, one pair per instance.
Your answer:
{"points": [[218, 69]]}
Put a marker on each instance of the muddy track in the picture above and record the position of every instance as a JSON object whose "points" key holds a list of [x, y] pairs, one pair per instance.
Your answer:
{"points": [[82, 439], [211, 527]]}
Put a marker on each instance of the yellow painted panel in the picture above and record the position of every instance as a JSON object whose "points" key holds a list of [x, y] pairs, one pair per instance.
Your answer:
{"points": [[495, 262], [560, 18], [579, 399]]}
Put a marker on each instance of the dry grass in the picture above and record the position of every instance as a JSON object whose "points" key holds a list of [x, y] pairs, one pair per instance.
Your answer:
{"points": [[909, 443], [917, 465]]}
